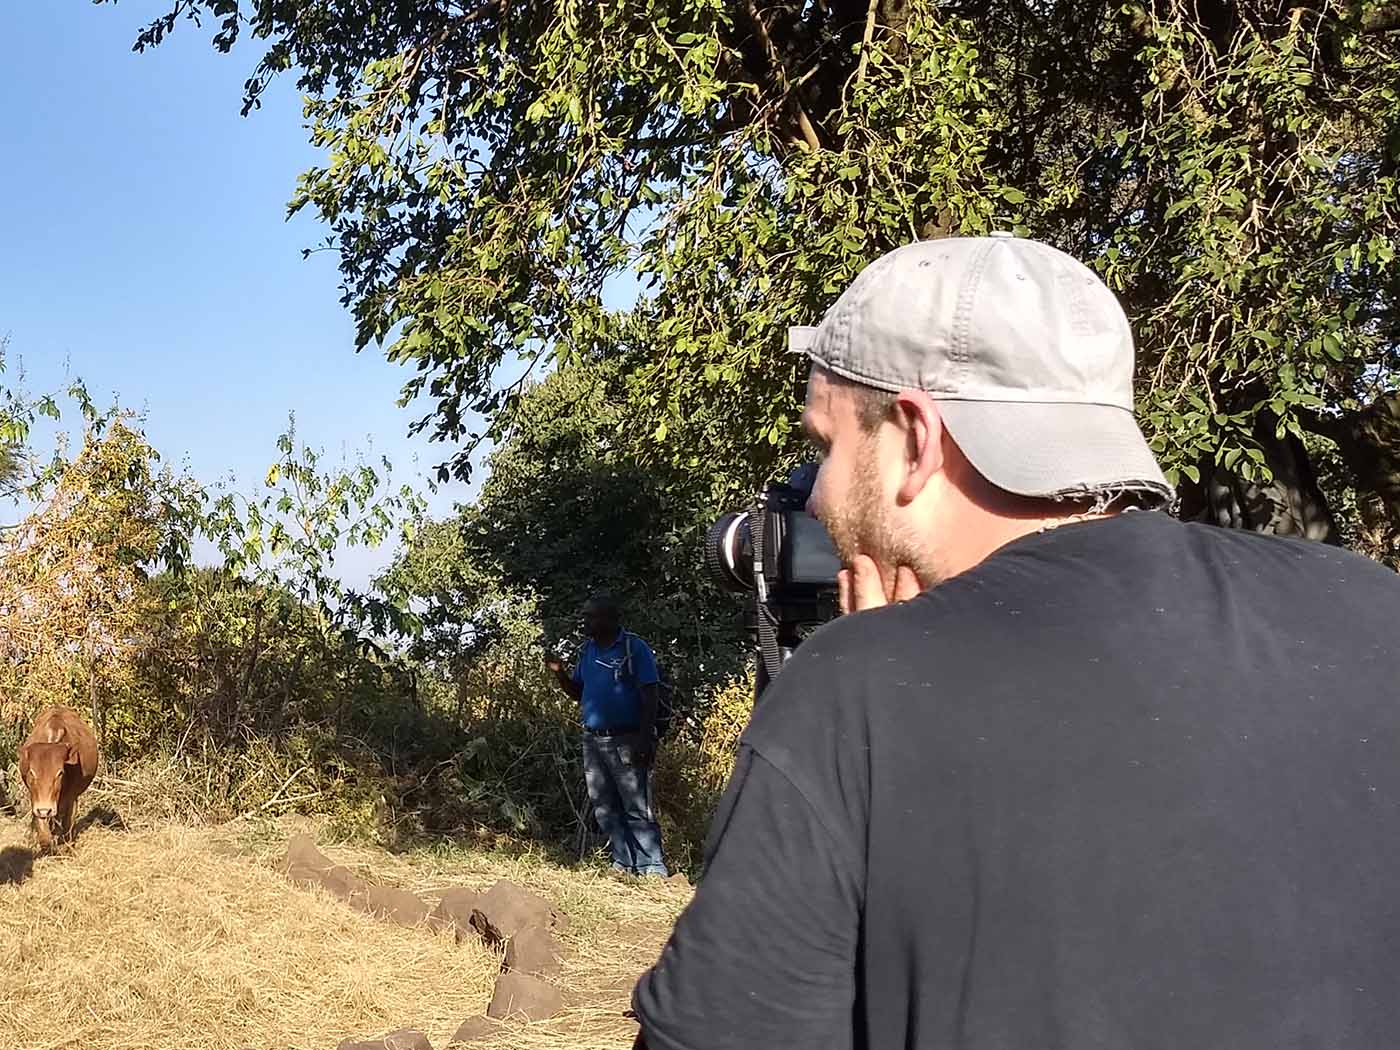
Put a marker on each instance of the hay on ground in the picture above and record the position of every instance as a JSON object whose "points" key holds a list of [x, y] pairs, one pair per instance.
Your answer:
{"points": [[179, 937]]}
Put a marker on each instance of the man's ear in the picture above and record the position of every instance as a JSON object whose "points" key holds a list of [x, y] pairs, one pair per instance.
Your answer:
{"points": [[919, 420]]}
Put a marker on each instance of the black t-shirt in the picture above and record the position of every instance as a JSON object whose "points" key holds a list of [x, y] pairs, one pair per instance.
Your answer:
{"points": [[1128, 784]]}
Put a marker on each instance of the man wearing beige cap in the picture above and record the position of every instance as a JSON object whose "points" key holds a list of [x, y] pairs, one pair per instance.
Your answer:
{"points": [[1091, 778]]}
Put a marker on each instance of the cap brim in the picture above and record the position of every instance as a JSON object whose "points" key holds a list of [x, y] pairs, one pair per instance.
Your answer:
{"points": [[1054, 450], [800, 338]]}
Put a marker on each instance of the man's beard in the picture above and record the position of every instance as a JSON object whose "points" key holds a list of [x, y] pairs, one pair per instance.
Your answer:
{"points": [[862, 525]]}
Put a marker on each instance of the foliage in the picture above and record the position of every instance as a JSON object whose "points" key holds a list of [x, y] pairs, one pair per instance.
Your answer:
{"points": [[570, 508], [693, 771], [19, 411], [1230, 168], [290, 535], [567, 509], [75, 612], [420, 707], [262, 665]]}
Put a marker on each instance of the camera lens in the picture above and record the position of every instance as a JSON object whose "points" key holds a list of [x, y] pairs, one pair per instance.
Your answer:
{"points": [[729, 552]]}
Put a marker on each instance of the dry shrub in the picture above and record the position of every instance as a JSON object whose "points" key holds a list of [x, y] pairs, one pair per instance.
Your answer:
{"points": [[692, 771], [75, 613], [205, 786]]}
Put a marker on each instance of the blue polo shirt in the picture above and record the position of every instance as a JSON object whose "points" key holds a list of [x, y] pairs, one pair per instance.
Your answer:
{"points": [[611, 697]]}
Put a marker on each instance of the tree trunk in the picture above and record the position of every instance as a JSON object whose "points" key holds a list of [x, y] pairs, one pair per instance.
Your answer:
{"points": [[1291, 504], [1368, 442]]}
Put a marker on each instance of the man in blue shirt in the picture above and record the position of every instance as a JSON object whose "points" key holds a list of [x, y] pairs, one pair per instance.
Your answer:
{"points": [[615, 685]]}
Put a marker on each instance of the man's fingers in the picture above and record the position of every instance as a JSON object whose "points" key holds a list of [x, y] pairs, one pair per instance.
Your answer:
{"points": [[866, 588], [862, 587], [906, 585]]}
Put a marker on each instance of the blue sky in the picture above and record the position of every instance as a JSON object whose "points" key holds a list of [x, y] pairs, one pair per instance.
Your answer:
{"points": [[143, 248]]}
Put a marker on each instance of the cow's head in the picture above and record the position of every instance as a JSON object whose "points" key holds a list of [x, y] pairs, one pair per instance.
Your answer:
{"points": [[43, 766]]}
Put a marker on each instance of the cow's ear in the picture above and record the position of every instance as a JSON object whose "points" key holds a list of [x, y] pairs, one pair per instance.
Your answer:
{"points": [[23, 756], [72, 757]]}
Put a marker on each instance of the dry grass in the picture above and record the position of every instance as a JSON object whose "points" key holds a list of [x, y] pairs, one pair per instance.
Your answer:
{"points": [[181, 937]]}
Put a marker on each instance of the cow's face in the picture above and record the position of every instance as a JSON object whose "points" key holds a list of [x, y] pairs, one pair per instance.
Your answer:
{"points": [[43, 766]]}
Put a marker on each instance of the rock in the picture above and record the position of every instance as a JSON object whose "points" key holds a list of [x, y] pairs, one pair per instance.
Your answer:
{"points": [[520, 995], [454, 911], [403, 1039], [395, 905], [407, 1039], [474, 1028], [307, 866], [534, 950], [506, 908], [302, 851], [679, 879]]}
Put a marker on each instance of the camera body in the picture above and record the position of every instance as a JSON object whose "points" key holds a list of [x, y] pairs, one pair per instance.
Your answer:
{"points": [[785, 558]]}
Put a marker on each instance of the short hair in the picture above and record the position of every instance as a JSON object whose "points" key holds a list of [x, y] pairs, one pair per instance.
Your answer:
{"points": [[873, 405]]}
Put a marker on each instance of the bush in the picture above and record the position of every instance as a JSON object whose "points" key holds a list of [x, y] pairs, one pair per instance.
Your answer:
{"points": [[262, 686], [692, 771]]}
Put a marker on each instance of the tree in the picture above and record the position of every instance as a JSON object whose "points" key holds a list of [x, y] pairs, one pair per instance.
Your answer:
{"points": [[567, 510], [75, 611], [1229, 167], [19, 410]]}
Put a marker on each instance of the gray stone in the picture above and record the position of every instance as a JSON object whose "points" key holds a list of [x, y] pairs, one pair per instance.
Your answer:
{"points": [[454, 911], [506, 908], [520, 995], [474, 1028], [403, 1039], [534, 950], [395, 905], [307, 866]]}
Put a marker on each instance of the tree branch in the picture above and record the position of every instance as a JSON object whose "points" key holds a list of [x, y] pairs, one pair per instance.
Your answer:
{"points": [[804, 123], [866, 39]]}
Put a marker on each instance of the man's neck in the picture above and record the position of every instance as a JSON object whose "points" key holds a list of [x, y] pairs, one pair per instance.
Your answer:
{"points": [[607, 641]]}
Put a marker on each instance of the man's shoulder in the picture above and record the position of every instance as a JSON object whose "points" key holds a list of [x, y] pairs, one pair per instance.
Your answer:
{"points": [[857, 635], [827, 683], [636, 642]]}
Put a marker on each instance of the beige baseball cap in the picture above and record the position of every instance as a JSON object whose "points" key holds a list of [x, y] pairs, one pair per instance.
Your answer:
{"points": [[1027, 352]]}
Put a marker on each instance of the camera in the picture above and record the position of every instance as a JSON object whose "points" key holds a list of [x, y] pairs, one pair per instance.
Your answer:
{"points": [[785, 558]]}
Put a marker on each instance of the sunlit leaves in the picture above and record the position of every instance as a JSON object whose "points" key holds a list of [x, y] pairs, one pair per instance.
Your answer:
{"points": [[1229, 170]]}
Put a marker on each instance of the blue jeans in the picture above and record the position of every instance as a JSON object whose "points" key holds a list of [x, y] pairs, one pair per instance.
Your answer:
{"points": [[622, 805]]}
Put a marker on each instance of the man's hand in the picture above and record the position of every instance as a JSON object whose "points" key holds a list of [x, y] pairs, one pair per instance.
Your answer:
{"points": [[556, 667], [862, 587], [638, 750]]}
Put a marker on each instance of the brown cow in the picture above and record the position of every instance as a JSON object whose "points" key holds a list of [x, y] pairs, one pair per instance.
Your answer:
{"points": [[57, 761]]}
